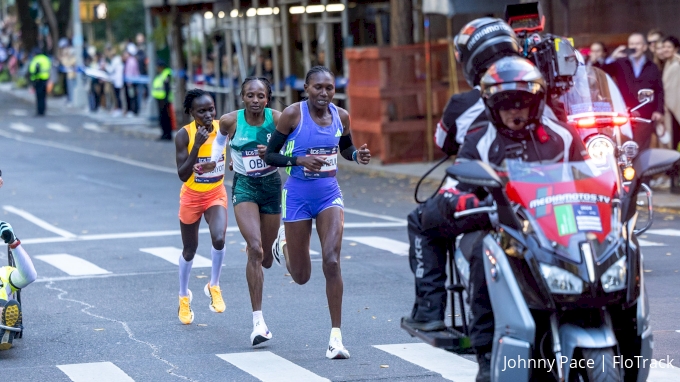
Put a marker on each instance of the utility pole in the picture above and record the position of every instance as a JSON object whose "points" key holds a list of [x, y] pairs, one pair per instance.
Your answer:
{"points": [[79, 96]]}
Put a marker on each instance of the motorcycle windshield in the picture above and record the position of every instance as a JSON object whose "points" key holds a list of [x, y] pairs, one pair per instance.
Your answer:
{"points": [[565, 203]]}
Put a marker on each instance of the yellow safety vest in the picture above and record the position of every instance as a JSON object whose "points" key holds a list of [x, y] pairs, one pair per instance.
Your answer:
{"points": [[158, 90], [43, 72], [6, 288]]}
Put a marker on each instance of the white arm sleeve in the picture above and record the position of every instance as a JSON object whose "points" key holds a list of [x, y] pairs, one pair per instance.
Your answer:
{"points": [[25, 271], [218, 146]]}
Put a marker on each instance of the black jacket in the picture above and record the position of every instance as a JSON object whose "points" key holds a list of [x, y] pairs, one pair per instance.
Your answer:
{"points": [[622, 72], [491, 146], [463, 112]]}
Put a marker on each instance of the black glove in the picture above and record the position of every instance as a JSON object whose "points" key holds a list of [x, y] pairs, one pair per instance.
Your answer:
{"points": [[7, 233]]}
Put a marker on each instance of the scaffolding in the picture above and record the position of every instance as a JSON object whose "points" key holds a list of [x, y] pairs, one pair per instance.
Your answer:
{"points": [[245, 29]]}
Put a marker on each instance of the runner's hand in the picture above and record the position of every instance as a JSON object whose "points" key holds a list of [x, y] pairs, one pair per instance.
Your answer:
{"points": [[231, 165], [312, 163], [261, 150], [201, 136], [202, 168], [363, 154], [7, 233]]}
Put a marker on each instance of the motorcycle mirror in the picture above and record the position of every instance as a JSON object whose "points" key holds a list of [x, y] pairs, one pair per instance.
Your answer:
{"points": [[655, 161], [475, 173], [645, 95]]}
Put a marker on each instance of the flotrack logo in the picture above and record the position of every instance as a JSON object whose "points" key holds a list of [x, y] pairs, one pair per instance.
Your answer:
{"points": [[485, 31], [574, 197]]}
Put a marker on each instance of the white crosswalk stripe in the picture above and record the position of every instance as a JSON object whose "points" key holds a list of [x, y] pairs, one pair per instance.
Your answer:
{"points": [[277, 369], [58, 127], [21, 127], [19, 112], [72, 265], [95, 372], [386, 244], [93, 127], [172, 254], [451, 366], [645, 243], [664, 232]]}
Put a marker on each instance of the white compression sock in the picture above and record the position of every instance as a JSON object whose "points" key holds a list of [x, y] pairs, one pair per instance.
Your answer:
{"points": [[217, 256], [257, 316], [335, 333]]}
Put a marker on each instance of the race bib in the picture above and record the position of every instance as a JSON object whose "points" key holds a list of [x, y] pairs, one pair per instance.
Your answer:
{"points": [[213, 176], [328, 170], [254, 165]]}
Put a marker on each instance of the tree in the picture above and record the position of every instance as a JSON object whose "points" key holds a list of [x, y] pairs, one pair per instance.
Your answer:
{"points": [[401, 22], [29, 30], [51, 19]]}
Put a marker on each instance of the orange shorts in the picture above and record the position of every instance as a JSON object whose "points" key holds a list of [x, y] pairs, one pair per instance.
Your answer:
{"points": [[192, 204]]}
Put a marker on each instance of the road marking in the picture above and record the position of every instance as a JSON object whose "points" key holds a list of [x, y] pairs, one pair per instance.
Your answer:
{"points": [[93, 153], [667, 373], [664, 232], [93, 127], [172, 254], [101, 182], [373, 225], [397, 247], [74, 266], [58, 127], [39, 222], [645, 243], [95, 372], [19, 112], [451, 366], [371, 215], [106, 276], [277, 369], [21, 127], [135, 235]]}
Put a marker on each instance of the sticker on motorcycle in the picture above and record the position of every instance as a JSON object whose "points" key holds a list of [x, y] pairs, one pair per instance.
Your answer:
{"points": [[564, 217], [587, 218]]}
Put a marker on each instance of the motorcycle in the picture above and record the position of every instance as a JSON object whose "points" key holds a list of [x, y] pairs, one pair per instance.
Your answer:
{"points": [[563, 267]]}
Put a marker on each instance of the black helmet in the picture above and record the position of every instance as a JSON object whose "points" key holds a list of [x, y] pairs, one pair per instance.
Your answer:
{"points": [[513, 82], [480, 43]]}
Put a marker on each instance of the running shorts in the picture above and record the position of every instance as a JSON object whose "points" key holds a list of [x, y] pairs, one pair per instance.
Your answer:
{"points": [[265, 191], [305, 199], [192, 204]]}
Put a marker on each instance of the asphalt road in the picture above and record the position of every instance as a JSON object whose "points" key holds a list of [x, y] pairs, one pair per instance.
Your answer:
{"points": [[105, 204]]}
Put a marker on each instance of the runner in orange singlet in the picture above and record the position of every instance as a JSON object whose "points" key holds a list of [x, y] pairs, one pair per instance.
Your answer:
{"points": [[203, 194]]}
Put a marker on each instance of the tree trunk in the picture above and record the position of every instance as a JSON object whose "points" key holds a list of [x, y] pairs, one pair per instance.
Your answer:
{"points": [[51, 18], [401, 22], [29, 31], [64, 18]]}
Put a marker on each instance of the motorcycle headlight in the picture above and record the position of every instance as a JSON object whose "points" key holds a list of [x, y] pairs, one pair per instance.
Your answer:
{"points": [[560, 281], [615, 277], [600, 148]]}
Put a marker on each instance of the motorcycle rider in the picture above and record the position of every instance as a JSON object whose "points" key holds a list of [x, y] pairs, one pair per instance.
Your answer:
{"points": [[514, 95], [479, 44]]}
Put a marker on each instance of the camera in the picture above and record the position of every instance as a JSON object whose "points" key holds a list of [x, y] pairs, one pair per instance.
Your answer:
{"points": [[554, 56]]}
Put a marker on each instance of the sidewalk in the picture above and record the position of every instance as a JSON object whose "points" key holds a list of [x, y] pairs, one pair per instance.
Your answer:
{"points": [[663, 200], [138, 125]]}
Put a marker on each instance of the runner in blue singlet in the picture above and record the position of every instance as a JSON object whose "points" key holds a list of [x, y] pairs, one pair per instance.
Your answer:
{"points": [[313, 133]]}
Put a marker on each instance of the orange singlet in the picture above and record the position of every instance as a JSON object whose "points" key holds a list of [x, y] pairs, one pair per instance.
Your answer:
{"points": [[201, 192]]}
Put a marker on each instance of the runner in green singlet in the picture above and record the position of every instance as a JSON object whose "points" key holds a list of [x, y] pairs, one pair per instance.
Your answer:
{"points": [[256, 190]]}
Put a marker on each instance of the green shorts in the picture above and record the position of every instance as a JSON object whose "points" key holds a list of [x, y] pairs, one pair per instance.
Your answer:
{"points": [[264, 191]]}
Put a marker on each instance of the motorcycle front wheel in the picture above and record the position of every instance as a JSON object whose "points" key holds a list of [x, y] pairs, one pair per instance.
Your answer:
{"points": [[600, 369]]}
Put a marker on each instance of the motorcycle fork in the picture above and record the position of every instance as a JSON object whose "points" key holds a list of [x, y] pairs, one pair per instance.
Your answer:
{"points": [[557, 348], [456, 289]]}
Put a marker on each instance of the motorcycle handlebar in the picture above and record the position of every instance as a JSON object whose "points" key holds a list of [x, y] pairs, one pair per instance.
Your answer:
{"points": [[473, 211], [640, 119]]}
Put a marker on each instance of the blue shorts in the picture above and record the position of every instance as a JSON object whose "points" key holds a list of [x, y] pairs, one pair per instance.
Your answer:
{"points": [[305, 199]]}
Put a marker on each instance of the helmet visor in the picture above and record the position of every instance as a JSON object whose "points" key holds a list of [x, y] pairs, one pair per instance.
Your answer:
{"points": [[513, 95]]}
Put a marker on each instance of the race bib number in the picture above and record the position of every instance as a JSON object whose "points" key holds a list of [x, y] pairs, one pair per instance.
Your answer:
{"points": [[327, 170], [254, 165], [213, 176]]}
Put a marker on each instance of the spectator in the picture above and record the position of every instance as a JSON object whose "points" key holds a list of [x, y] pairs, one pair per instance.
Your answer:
{"points": [[635, 72], [654, 39], [116, 68], [67, 58], [131, 73], [597, 54], [671, 84], [142, 90]]}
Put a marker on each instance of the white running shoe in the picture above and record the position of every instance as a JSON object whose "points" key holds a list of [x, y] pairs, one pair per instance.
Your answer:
{"points": [[277, 246], [260, 334], [336, 350]]}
